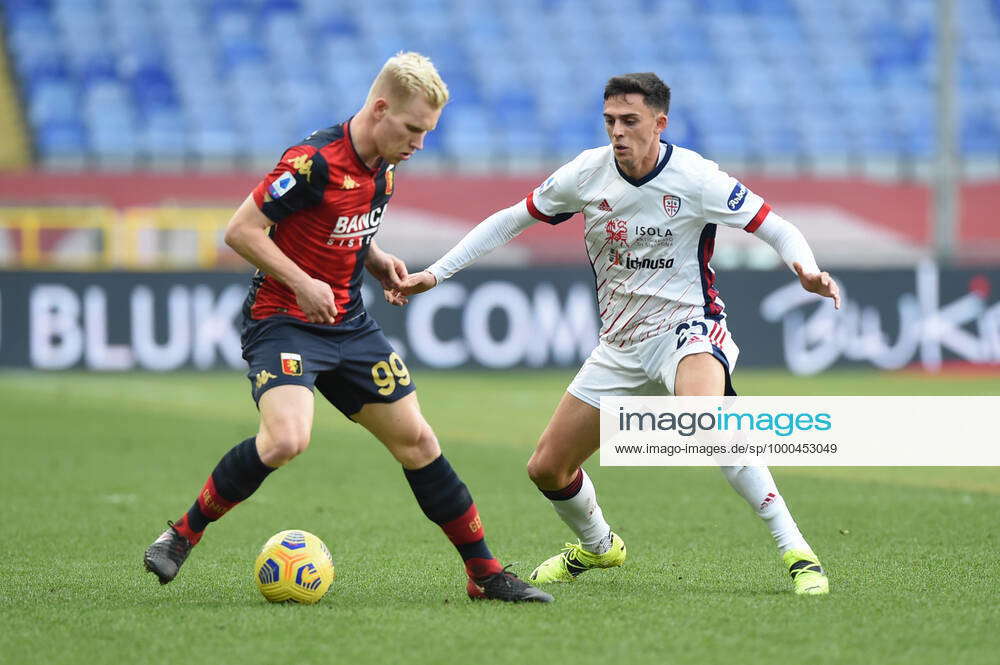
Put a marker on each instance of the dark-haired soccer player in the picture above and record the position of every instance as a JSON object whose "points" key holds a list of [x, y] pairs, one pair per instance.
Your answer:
{"points": [[309, 227], [650, 213]]}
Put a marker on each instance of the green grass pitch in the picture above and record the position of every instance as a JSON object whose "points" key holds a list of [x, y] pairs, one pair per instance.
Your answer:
{"points": [[95, 465]]}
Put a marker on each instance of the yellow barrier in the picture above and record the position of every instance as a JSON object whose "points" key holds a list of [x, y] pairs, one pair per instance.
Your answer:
{"points": [[15, 148], [121, 237]]}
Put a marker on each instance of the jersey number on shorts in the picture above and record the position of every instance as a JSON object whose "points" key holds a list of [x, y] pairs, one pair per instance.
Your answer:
{"points": [[387, 374], [682, 331]]}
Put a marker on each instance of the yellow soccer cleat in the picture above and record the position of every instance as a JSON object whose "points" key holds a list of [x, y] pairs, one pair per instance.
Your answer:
{"points": [[807, 573], [573, 560]]}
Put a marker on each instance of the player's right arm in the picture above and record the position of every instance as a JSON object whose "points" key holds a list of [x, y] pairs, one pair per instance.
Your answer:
{"points": [[247, 234], [553, 202]]}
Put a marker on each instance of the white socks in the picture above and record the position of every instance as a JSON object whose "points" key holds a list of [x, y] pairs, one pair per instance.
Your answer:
{"points": [[577, 505], [756, 486]]}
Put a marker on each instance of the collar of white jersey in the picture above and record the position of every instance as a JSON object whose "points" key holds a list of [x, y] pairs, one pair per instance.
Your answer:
{"points": [[668, 150]]}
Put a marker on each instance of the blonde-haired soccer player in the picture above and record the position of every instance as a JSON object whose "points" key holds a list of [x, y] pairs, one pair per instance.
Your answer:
{"points": [[405, 75], [309, 228], [650, 213]]}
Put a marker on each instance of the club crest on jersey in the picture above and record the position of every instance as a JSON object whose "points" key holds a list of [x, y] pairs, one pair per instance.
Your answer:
{"points": [[617, 230], [281, 185], [291, 364], [389, 180], [737, 197], [671, 204]]}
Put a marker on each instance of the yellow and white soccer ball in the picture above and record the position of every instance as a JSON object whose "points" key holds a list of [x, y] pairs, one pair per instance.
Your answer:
{"points": [[294, 567]]}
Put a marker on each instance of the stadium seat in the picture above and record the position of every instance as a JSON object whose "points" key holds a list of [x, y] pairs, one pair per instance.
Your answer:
{"points": [[192, 77]]}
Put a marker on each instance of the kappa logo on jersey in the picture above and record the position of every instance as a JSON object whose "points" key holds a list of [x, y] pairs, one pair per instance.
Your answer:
{"points": [[291, 364], [605, 206], [389, 180], [262, 377], [281, 185], [349, 183], [737, 197], [358, 225], [303, 164], [617, 230], [671, 204]]}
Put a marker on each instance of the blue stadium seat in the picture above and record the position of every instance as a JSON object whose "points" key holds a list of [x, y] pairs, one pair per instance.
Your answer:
{"points": [[60, 138], [165, 137], [192, 78], [53, 101]]}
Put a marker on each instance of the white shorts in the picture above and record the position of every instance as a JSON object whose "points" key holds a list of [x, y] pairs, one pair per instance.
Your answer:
{"points": [[650, 367]]}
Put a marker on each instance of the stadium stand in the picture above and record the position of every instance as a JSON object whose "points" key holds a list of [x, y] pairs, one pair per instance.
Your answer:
{"points": [[170, 83]]}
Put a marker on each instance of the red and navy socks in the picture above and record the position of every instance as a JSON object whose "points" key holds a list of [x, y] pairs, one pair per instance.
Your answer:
{"points": [[446, 501], [237, 475]]}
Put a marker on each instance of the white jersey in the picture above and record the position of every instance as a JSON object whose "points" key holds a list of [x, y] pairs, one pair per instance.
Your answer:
{"points": [[649, 240]]}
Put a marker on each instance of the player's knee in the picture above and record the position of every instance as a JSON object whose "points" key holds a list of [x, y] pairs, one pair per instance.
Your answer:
{"points": [[417, 448], [282, 443], [546, 474]]}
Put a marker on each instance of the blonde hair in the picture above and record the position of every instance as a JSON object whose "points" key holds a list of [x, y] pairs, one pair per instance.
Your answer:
{"points": [[406, 74]]}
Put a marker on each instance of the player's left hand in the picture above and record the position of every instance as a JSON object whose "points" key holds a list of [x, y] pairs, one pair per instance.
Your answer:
{"points": [[388, 269], [819, 283], [394, 297]]}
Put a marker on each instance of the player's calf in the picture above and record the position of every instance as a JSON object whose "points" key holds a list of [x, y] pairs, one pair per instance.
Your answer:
{"points": [[237, 475]]}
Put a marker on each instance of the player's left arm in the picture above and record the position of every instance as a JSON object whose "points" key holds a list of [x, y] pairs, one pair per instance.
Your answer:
{"points": [[725, 200], [388, 269], [794, 250]]}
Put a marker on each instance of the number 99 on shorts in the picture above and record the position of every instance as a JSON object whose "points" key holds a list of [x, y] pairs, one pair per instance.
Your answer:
{"points": [[388, 373]]}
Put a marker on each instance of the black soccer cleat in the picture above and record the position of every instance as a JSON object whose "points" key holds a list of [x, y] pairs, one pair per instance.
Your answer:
{"points": [[167, 553], [505, 586]]}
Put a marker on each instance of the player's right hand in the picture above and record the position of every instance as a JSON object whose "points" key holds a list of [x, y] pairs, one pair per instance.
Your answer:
{"points": [[315, 299], [417, 283], [818, 282]]}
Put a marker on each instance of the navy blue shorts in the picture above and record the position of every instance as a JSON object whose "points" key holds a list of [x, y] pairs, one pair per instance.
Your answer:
{"points": [[351, 365]]}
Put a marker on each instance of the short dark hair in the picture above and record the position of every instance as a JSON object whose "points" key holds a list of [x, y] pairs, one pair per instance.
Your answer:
{"points": [[655, 93]]}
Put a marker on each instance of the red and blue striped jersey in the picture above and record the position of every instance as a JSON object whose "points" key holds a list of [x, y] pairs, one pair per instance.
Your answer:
{"points": [[326, 206]]}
